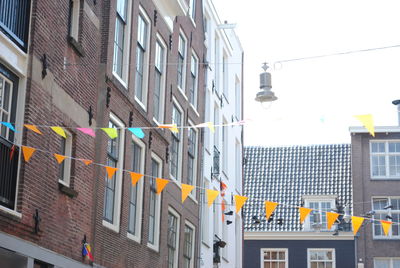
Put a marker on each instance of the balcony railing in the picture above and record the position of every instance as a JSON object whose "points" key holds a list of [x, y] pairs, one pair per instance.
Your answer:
{"points": [[14, 20], [8, 173], [216, 158]]}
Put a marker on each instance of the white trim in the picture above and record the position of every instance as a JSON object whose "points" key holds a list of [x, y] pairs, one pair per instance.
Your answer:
{"points": [[188, 223], [381, 129], [11, 211], [156, 244], [180, 149], [390, 259], [321, 249], [160, 40], [184, 69], [67, 161], [297, 236], [384, 211], [139, 193], [196, 159], [118, 177], [315, 199], [274, 249], [196, 89], [74, 23], [386, 154], [178, 217]]}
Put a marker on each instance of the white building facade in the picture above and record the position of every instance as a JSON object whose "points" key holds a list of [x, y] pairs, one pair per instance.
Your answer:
{"points": [[222, 155]]}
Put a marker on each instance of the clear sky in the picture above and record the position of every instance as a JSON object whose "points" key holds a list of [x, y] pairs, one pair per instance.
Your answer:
{"points": [[317, 98]]}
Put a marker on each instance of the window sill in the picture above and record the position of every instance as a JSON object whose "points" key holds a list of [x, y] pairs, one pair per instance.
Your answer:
{"points": [[386, 238], [76, 46], [67, 190], [133, 237], [110, 226], [194, 109], [141, 104], [153, 247], [10, 212], [118, 82], [182, 93], [385, 178], [193, 197]]}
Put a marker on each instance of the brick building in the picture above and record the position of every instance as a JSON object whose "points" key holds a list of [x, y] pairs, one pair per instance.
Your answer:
{"points": [[112, 63]]}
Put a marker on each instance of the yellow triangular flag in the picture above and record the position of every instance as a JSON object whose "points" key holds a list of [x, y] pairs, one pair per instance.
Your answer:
{"points": [[87, 161], [160, 184], [239, 202], [304, 213], [174, 128], [331, 218], [27, 152], [111, 132], [59, 158], [269, 208], [210, 125], [356, 223], [211, 195], [59, 131], [368, 122], [110, 171], [386, 226], [135, 177], [186, 189], [33, 128]]}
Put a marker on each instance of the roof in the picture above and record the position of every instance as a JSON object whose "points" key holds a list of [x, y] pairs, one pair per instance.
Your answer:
{"points": [[286, 174]]}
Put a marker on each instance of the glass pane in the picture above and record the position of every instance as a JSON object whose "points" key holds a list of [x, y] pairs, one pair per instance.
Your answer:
{"points": [[282, 265], [329, 265], [396, 263], [395, 203], [379, 203], [274, 255], [394, 147], [314, 265], [328, 255], [267, 255], [382, 264], [313, 255], [281, 255], [6, 97], [267, 265], [1, 90]]}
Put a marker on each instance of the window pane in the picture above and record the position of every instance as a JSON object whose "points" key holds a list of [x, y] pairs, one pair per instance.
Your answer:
{"points": [[394, 147], [396, 263], [379, 203], [382, 264]]}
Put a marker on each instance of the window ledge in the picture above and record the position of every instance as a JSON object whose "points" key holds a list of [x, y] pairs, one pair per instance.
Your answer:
{"points": [[11, 213], [141, 104], [386, 239], [194, 109], [153, 247], [385, 178], [133, 237], [67, 190], [118, 82], [77, 46], [112, 227], [182, 93]]}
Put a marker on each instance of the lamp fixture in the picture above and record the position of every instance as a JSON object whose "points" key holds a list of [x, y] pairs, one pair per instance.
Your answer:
{"points": [[229, 213], [228, 222], [265, 94], [347, 216]]}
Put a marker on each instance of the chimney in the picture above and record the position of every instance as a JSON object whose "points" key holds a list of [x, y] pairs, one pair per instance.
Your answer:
{"points": [[397, 103]]}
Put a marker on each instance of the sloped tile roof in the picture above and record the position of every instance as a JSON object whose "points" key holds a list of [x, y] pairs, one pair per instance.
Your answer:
{"points": [[285, 174]]}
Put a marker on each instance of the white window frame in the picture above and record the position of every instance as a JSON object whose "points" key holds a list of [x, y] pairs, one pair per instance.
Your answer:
{"points": [[386, 154], [309, 250], [238, 164], [225, 70], [225, 250], [161, 107], [184, 67], [196, 144], [156, 245], [307, 223], [180, 149], [194, 59], [216, 215], [118, 177], [192, 11], [390, 259], [67, 160], [205, 219], [127, 33], [139, 193], [238, 98], [189, 224], [225, 149], [262, 252], [217, 62], [178, 217], [146, 58], [384, 212], [74, 20]]}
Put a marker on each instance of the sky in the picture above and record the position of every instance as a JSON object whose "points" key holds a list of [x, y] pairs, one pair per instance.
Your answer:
{"points": [[317, 98]]}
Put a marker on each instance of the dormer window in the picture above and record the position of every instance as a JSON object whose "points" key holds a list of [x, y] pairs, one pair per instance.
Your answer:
{"points": [[317, 221]]}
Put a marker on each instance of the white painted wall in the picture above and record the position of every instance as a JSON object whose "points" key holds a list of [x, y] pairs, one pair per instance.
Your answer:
{"points": [[230, 160]]}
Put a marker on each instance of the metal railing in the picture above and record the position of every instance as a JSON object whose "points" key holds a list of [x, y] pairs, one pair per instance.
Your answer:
{"points": [[216, 161], [8, 173], [14, 20]]}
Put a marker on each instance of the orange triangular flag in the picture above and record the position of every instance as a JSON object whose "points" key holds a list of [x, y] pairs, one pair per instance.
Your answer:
{"points": [[331, 218], [135, 177], [33, 128], [59, 158], [110, 171], [356, 222], [160, 184], [269, 208], [239, 202], [27, 151], [186, 189], [386, 226], [87, 161], [211, 195], [304, 213]]}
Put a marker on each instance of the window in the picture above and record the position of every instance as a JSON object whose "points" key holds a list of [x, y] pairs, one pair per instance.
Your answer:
{"points": [[9, 170], [205, 233], [188, 247], [385, 159], [173, 238], [225, 75], [216, 122], [176, 144], [274, 258], [216, 216], [142, 58], [74, 9], [192, 156], [321, 258], [159, 82], [216, 62], [238, 99], [181, 62], [238, 238], [155, 199], [14, 21], [65, 166], [317, 219], [112, 195], [193, 81], [238, 165], [225, 238], [121, 40], [225, 147], [192, 9], [388, 209], [386, 262], [136, 192]]}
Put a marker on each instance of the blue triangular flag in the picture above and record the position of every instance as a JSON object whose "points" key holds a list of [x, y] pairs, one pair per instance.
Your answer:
{"points": [[9, 125], [138, 132]]}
